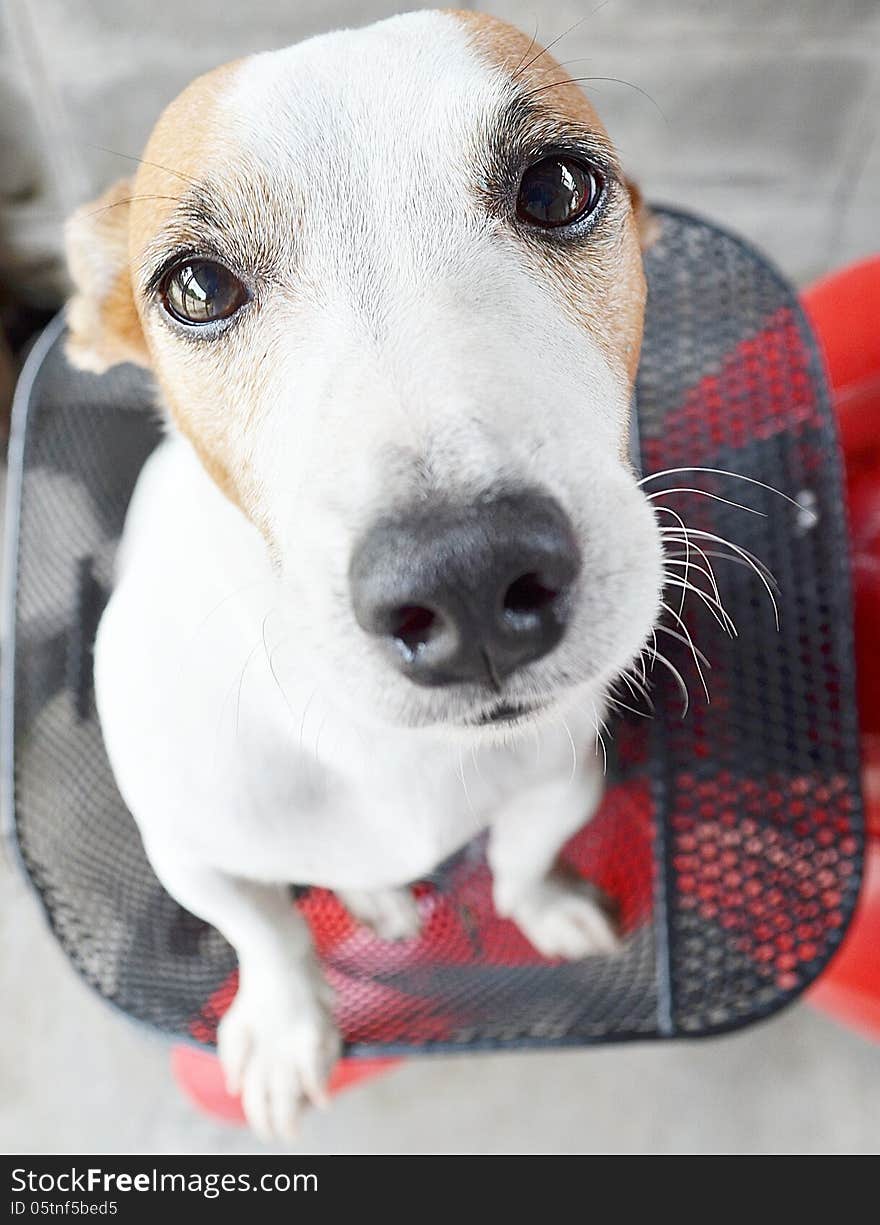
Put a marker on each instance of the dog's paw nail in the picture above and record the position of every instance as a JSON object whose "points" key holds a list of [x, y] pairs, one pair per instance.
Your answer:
{"points": [[279, 1059]]}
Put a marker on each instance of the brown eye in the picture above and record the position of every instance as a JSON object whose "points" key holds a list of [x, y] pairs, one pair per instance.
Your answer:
{"points": [[202, 291], [557, 191]]}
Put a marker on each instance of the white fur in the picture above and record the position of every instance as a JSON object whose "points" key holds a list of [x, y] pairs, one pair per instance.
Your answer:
{"points": [[257, 735]]}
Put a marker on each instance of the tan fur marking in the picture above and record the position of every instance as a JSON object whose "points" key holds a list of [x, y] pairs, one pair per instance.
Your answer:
{"points": [[186, 141], [603, 286], [108, 320]]}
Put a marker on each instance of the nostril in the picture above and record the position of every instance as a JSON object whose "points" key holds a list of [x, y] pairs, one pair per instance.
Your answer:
{"points": [[466, 594], [528, 594], [413, 626]]}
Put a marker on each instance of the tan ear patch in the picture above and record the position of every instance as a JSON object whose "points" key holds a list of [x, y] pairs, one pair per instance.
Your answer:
{"points": [[646, 222], [103, 325]]}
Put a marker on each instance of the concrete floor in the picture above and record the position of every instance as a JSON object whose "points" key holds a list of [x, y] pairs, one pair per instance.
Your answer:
{"points": [[75, 1078], [770, 126]]}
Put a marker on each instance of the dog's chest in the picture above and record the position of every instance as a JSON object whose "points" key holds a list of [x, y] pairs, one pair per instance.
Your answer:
{"points": [[388, 825]]}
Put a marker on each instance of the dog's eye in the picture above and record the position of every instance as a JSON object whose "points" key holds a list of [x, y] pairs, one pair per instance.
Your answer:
{"points": [[202, 291], [557, 191]]}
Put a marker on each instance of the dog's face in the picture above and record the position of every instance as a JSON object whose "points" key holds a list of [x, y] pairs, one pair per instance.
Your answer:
{"points": [[390, 285]]}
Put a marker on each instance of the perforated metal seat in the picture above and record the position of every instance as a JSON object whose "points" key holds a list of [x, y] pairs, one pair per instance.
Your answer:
{"points": [[731, 838]]}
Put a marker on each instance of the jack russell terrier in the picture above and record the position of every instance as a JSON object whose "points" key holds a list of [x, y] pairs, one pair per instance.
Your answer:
{"points": [[376, 582]]}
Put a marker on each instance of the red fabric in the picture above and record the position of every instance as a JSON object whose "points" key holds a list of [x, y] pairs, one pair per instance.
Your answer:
{"points": [[844, 309], [849, 990], [199, 1075], [845, 312]]}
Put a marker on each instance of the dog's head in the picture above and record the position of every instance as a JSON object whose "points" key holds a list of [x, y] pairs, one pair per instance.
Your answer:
{"points": [[390, 285]]}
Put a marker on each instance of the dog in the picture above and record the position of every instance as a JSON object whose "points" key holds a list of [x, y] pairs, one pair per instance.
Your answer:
{"points": [[376, 581]]}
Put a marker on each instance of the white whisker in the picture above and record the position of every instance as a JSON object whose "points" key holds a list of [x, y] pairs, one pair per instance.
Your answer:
{"points": [[660, 493], [738, 476], [619, 705], [718, 611], [660, 658], [574, 754], [475, 754], [743, 553], [640, 662], [464, 786], [600, 743], [669, 560], [685, 632], [668, 511], [667, 629], [737, 561], [636, 687]]}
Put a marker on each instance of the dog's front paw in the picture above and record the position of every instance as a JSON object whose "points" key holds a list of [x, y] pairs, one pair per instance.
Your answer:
{"points": [[391, 913], [564, 917], [277, 1055]]}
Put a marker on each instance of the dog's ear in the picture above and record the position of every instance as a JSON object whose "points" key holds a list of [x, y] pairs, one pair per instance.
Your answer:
{"points": [[102, 321], [646, 223]]}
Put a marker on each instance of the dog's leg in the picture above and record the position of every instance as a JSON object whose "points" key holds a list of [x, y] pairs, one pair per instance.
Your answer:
{"points": [[391, 913], [277, 1042], [561, 915]]}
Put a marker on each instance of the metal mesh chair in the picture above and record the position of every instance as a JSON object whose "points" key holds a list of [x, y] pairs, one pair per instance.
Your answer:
{"points": [[731, 838]]}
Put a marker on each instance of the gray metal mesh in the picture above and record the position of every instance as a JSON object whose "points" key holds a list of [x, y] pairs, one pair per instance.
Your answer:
{"points": [[731, 838]]}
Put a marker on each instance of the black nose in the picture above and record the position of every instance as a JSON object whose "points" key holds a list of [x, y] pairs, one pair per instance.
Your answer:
{"points": [[467, 593]]}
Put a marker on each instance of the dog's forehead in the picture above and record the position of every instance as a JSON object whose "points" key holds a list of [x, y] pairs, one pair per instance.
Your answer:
{"points": [[396, 99], [398, 110], [427, 62]]}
